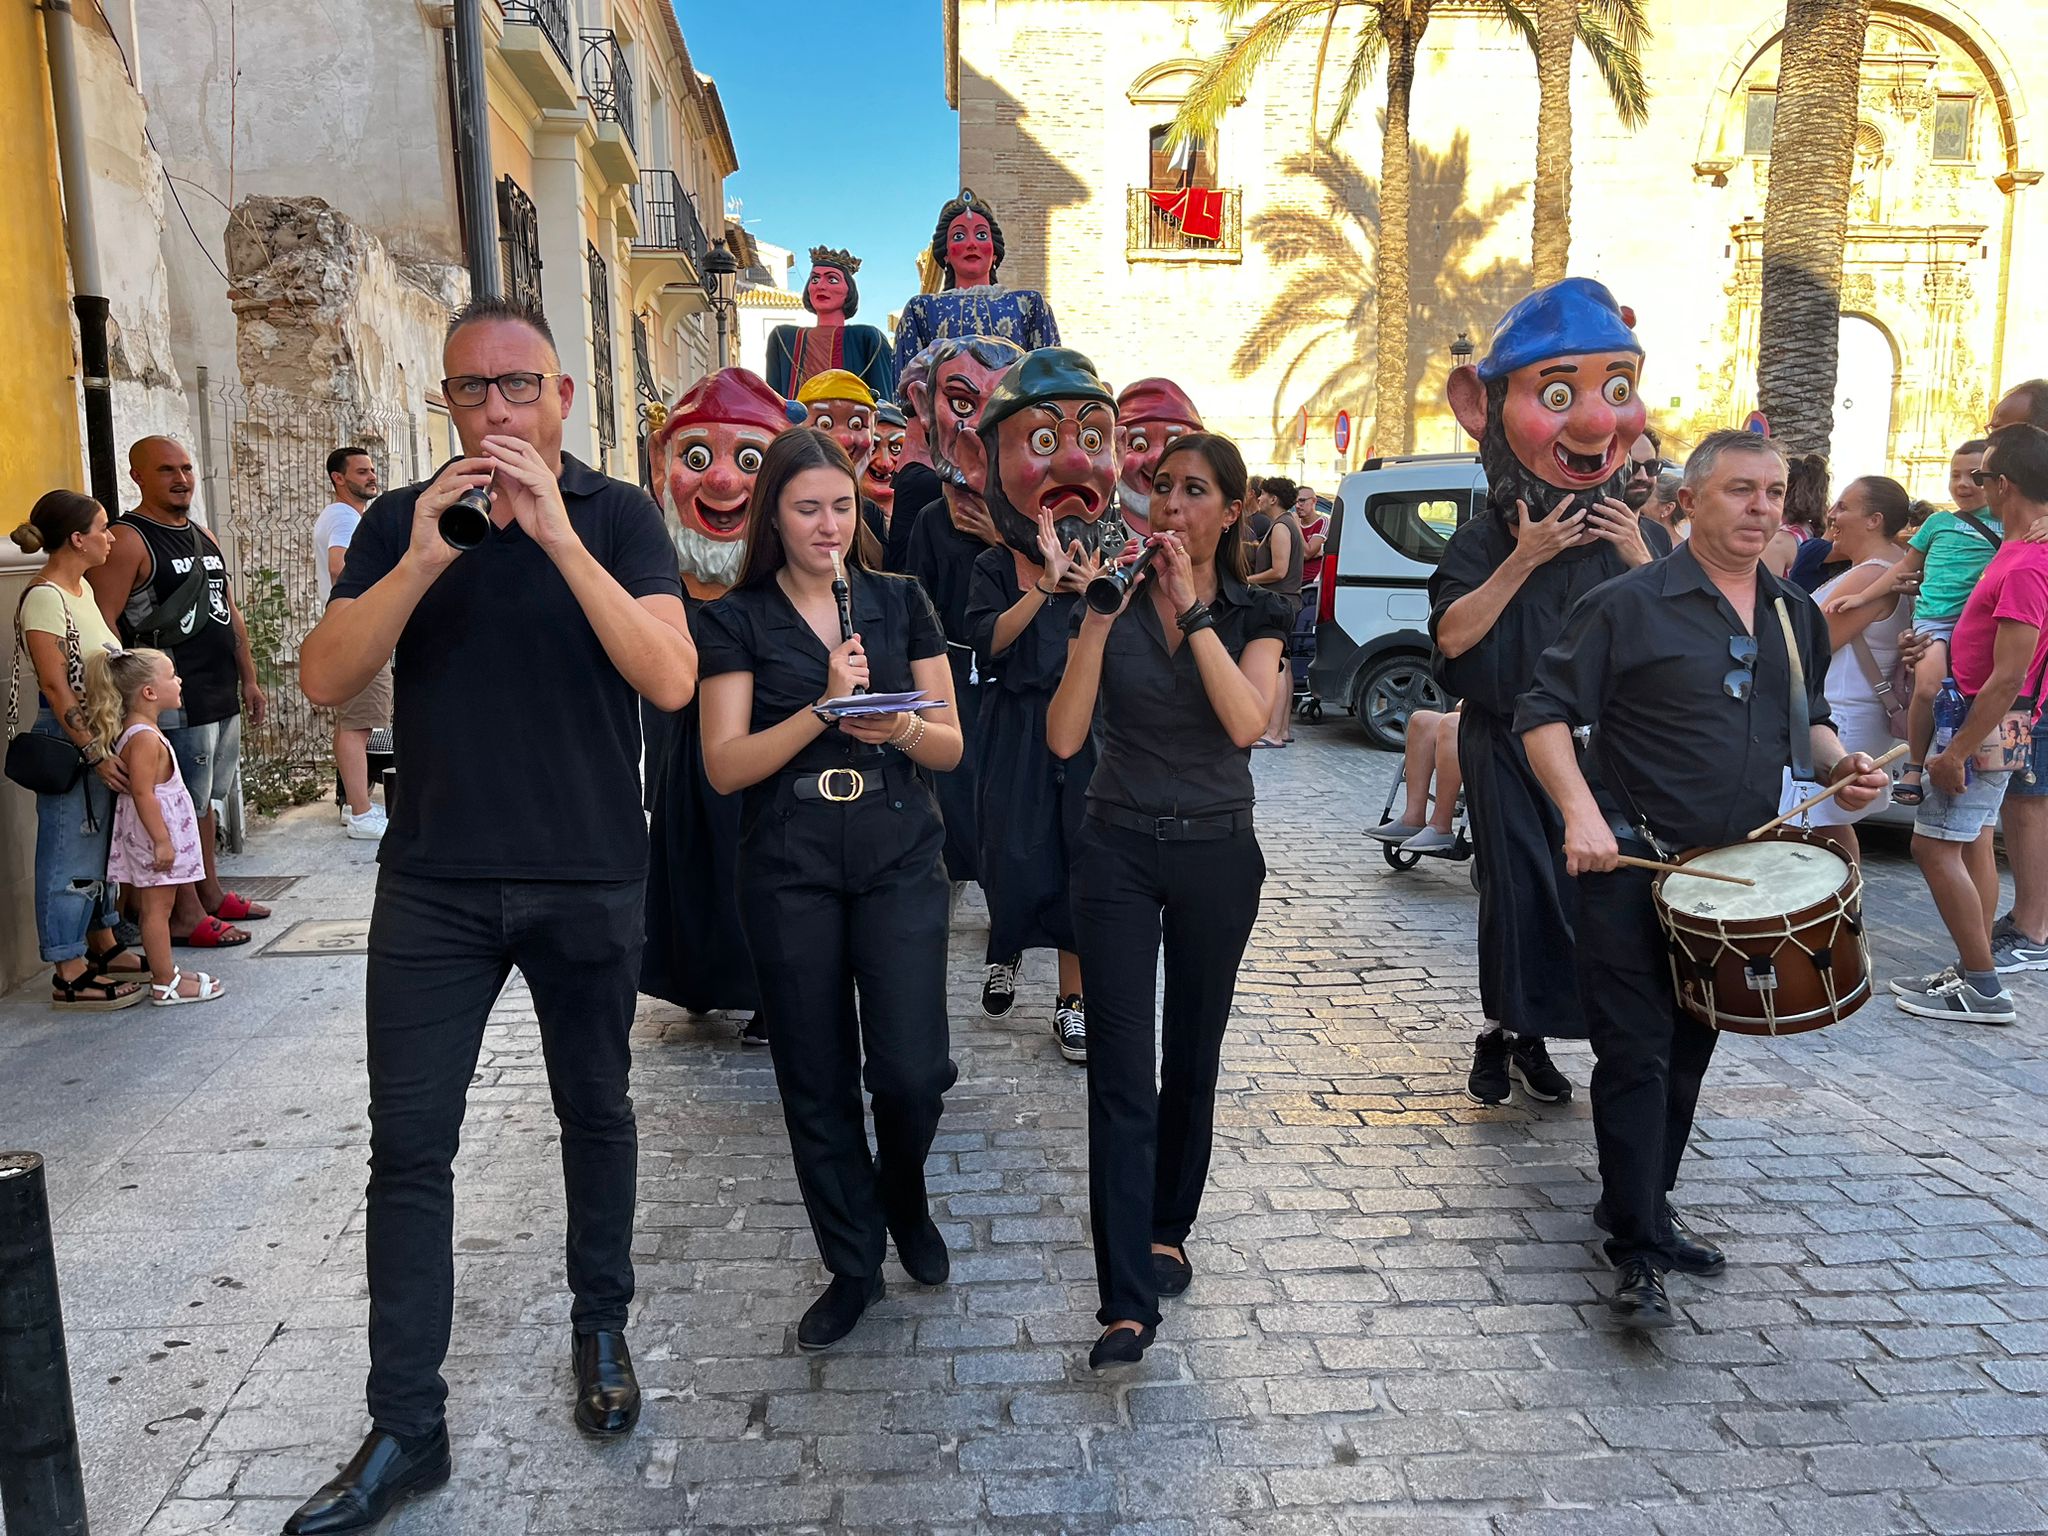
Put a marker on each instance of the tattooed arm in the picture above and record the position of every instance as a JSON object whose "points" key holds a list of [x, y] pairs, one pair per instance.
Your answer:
{"points": [[46, 655]]}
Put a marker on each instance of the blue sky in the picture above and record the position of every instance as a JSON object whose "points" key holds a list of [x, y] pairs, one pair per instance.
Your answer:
{"points": [[854, 147]]}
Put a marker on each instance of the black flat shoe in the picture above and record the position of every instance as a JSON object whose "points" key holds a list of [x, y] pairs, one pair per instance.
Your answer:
{"points": [[754, 1033], [607, 1392], [1638, 1299], [383, 1473], [1684, 1250], [1119, 1346], [833, 1315], [922, 1252], [1171, 1276]]}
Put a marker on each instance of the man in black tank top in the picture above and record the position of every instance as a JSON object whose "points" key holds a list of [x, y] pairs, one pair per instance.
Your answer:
{"points": [[154, 547]]}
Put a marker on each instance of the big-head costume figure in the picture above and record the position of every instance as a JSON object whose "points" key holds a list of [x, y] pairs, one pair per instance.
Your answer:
{"points": [[1150, 414], [1046, 443], [798, 353], [838, 403], [967, 247], [704, 458], [1554, 405], [878, 480]]}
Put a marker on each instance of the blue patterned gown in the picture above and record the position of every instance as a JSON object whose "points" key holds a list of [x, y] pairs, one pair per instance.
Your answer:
{"points": [[1022, 315]]}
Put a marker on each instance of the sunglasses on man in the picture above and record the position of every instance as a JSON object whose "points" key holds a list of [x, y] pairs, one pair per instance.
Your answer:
{"points": [[1985, 476]]}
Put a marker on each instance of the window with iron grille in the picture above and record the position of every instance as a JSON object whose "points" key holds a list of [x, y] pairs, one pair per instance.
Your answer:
{"points": [[518, 242], [602, 382]]}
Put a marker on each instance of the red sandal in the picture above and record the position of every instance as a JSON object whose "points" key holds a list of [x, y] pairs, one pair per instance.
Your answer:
{"points": [[236, 908], [211, 933]]}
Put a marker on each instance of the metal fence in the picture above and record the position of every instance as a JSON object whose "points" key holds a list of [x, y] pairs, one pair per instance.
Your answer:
{"points": [[264, 460]]}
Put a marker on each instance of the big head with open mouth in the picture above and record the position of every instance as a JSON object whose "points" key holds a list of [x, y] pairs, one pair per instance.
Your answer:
{"points": [[1046, 443], [1555, 404], [1150, 414], [878, 480], [704, 457]]}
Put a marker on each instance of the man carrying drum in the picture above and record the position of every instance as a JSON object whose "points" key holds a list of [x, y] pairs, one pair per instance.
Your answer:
{"points": [[1687, 667]]}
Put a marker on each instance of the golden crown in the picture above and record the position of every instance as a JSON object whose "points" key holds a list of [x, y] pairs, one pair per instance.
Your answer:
{"points": [[825, 256]]}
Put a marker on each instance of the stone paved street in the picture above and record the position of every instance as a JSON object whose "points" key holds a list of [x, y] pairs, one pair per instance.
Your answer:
{"points": [[1393, 1327]]}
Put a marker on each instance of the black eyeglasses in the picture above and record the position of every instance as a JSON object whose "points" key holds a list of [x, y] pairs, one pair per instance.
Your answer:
{"points": [[1985, 476], [1651, 467], [469, 389], [1742, 648]]}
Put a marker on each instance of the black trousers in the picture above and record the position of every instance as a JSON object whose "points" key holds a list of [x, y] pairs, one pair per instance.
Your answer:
{"points": [[440, 951], [846, 901], [1148, 1138], [1649, 1059]]}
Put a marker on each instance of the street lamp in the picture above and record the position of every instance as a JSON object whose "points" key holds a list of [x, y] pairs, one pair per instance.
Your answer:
{"points": [[1461, 355], [721, 277]]}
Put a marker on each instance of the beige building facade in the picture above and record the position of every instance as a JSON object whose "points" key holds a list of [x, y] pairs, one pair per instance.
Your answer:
{"points": [[1061, 103]]}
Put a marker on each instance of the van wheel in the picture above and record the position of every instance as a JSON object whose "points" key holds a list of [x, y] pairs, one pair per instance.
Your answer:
{"points": [[1388, 691]]}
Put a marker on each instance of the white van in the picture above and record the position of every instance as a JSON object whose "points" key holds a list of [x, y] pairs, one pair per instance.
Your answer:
{"points": [[1388, 529]]}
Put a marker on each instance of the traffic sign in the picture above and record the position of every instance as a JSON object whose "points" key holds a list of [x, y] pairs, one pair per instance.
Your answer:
{"points": [[1301, 427], [1343, 431], [1758, 423]]}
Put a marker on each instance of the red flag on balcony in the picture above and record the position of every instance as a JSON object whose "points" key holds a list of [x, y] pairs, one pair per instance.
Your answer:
{"points": [[1198, 211]]}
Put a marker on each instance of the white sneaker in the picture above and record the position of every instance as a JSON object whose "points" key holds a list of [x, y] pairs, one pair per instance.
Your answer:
{"points": [[1958, 999], [368, 827], [1430, 840]]}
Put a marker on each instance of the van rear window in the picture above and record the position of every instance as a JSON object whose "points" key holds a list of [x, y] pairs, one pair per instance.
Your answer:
{"points": [[1418, 524]]}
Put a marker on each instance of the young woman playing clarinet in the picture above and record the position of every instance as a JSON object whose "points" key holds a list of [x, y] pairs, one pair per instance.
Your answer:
{"points": [[842, 887], [1176, 685]]}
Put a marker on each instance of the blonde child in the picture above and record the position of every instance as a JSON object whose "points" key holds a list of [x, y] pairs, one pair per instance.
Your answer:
{"points": [[156, 829]]}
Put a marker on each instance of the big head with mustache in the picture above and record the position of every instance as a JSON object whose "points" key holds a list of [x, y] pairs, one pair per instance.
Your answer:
{"points": [[1046, 443], [1554, 404], [947, 385], [704, 457]]}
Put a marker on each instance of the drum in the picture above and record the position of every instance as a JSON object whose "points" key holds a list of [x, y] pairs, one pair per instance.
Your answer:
{"points": [[1784, 955]]}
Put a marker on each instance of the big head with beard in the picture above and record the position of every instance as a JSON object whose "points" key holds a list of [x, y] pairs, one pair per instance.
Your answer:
{"points": [[1554, 405], [946, 385], [1046, 444], [704, 457]]}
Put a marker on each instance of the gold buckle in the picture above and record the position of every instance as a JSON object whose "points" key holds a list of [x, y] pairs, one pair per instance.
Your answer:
{"points": [[825, 780]]}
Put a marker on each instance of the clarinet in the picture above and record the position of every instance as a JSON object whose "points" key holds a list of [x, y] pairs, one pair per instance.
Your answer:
{"points": [[842, 594]]}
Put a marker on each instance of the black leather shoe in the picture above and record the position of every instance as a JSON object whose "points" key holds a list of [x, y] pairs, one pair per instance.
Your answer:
{"points": [[922, 1251], [1171, 1276], [1684, 1250], [833, 1315], [1119, 1346], [1638, 1300], [383, 1473], [607, 1392]]}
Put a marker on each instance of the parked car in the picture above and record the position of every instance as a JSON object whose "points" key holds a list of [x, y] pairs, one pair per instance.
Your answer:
{"points": [[1388, 528]]}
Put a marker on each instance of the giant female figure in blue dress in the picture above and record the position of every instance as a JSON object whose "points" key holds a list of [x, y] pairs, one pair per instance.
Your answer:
{"points": [[968, 248]]}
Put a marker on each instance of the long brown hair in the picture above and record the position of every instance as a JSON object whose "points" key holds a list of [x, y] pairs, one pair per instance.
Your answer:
{"points": [[1226, 468], [789, 455]]}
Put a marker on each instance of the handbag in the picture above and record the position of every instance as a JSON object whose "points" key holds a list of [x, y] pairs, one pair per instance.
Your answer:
{"points": [[48, 765], [1886, 688]]}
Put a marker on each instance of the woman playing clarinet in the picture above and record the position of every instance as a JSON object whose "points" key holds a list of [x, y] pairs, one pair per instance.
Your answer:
{"points": [[1176, 685], [842, 889]]}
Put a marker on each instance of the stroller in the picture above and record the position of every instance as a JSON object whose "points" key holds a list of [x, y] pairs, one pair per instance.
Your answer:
{"points": [[1301, 653], [1399, 857]]}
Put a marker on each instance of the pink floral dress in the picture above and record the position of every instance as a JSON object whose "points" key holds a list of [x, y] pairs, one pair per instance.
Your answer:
{"points": [[132, 858]]}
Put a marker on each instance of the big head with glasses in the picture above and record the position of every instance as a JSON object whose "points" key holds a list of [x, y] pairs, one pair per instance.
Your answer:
{"points": [[503, 379]]}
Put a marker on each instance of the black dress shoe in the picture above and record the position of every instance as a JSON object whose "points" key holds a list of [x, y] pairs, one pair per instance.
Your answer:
{"points": [[607, 1393], [833, 1315], [382, 1474], [922, 1251], [754, 1033], [1119, 1346], [1171, 1276], [1684, 1250], [1638, 1300]]}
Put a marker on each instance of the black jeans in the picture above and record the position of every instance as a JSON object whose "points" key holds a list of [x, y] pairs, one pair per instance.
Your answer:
{"points": [[1148, 1139], [1649, 1059], [440, 951], [839, 899]]}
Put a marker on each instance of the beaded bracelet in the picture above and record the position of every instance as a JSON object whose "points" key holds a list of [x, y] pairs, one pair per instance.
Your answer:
{"points": [[910, 735]]}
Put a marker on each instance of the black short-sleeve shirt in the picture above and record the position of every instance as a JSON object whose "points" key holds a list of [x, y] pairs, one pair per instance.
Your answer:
{"points": [[518, 742], [1643, 660], [757, 629], [1163, 751]]}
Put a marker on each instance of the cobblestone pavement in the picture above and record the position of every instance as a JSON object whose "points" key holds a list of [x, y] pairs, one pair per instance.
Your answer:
{"points": [[1393, 1328]]}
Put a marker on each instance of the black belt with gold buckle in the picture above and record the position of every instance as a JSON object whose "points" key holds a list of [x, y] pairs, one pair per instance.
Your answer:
{"points": [[838, 786]]}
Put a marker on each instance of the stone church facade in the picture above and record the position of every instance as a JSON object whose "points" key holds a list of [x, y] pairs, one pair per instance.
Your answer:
{"points": [[1945, 299]]}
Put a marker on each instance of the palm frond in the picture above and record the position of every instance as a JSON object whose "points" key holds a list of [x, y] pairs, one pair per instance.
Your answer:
{"points": [[1226, 76], [1620, 67], [1520, 20], [1365, 58], [1624, 20]]}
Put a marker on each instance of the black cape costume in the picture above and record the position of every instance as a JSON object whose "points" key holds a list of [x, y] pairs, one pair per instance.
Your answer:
{"points": [[1527, 980], [941, 557], [1029, 803]]}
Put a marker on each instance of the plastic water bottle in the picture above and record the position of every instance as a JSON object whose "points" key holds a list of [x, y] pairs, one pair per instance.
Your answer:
{"points": [[1950, 708]]}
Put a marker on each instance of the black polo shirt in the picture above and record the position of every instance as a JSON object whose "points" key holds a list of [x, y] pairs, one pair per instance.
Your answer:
{"points": [[1643, 659], [1163, 751], [757, 629], [518, 741]]}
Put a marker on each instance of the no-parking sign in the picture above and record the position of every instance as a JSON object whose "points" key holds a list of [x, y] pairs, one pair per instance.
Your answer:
{"points": [[1343, 431]]}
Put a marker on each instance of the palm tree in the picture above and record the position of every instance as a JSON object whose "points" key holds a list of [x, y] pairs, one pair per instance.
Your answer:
{"points": [[1806, 218], [1612, 30]]}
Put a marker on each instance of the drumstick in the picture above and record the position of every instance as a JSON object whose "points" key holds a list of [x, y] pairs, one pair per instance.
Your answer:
{"points": [[1827, 794], [1681, 869]]}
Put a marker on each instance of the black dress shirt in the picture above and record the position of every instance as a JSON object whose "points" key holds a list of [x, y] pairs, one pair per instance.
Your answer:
{"points": [[1164, 752], [1646, 659]]}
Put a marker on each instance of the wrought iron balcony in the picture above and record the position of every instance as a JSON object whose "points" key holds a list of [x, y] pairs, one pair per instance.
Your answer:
{"points": [[1153, 234], [551, 16], [608, 81], [668, 217]]}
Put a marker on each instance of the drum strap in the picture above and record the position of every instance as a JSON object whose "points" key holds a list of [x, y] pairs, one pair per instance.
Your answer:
{"points": [[1801, 723]]}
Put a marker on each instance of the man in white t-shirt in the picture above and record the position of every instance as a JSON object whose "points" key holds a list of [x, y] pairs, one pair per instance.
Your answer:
{"points": [[353, 474]]}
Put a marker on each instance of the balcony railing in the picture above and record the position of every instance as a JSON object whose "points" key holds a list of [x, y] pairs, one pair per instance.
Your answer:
{"points": [[668, 217], [518, 242], [551, 16], [608, 81], [603, 382], [1151, 232]]}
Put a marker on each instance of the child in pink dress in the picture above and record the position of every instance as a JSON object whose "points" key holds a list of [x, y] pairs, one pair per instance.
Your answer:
{"points": [[156, 830]]}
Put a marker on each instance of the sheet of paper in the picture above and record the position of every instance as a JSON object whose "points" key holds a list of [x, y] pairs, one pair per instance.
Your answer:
{"points": [[856, 704]]}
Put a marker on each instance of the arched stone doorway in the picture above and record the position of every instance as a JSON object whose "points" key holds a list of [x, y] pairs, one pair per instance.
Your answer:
{"points": [[1866, 372]]}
